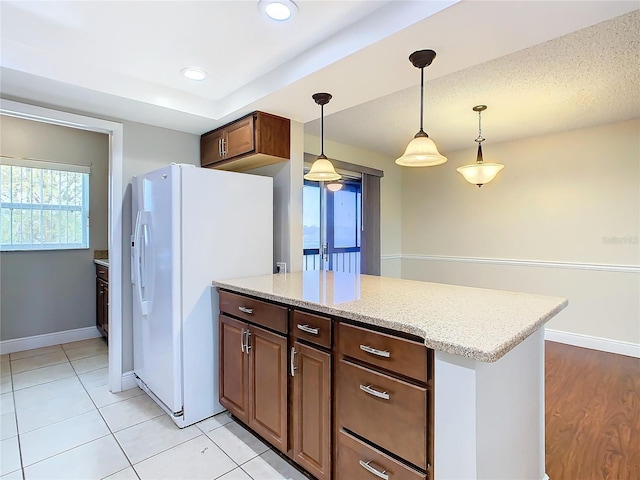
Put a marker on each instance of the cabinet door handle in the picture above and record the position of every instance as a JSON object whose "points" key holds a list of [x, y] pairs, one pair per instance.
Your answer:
{"points": [[375, 351], [306, 328], [242, 341], [374, 392], [293, 365], [367, 466], [224, 149], [248, 311], [247, 345]]}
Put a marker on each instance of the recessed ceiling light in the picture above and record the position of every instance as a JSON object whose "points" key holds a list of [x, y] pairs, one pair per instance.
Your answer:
{"points": [[279, 10], [194, 73]]}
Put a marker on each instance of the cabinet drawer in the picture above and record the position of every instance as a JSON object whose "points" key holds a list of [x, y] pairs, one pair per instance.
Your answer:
{"points": [[395, 354], [359, 461], [254, 311], [102, 272], [312, 328], [387, 411]]}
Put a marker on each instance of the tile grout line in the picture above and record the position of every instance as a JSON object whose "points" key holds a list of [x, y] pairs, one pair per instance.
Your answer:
{"points": [[15, 415], [104, 420]]}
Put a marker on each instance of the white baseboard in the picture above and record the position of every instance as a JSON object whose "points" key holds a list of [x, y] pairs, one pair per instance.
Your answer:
{"points": [[48, 339], [129, 380], [594, 343]]}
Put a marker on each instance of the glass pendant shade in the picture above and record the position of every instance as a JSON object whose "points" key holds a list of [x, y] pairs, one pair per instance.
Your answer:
{"points": [[334, 186], [480, 173], [421, 152], [322, 170]]}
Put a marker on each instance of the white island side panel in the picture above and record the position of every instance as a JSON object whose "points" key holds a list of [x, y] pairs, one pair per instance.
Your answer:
{"points": [[489, 417]]}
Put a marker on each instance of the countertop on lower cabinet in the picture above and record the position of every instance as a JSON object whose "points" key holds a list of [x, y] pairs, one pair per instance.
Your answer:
{"points": [[475, 323], [488, 385]]}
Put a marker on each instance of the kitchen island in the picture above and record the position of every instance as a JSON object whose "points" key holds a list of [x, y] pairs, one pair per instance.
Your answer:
{"points": [[485, 386]]}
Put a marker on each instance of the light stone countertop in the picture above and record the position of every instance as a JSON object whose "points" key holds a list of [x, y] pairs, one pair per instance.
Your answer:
{"points": [[476, 323], [101, 261]]}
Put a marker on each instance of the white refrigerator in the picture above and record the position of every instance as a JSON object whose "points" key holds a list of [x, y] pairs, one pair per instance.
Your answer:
{"points": [[191, 225]]}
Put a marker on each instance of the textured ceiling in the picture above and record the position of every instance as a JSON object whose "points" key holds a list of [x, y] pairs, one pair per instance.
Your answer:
{"points": [[586, 78]]}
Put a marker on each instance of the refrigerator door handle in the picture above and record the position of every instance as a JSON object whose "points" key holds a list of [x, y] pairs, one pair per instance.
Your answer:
{"points": [[143, 262]]}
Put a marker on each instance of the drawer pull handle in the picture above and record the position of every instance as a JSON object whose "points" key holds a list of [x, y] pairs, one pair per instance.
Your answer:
{"points": [[374, 392], [308, 329], [375, 351], [367, 466], [248, 311]]}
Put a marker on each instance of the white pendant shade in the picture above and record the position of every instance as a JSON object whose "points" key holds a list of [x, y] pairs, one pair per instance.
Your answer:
{"points": [[334, 186], [480, 173], [421, 152], [322, 171]]}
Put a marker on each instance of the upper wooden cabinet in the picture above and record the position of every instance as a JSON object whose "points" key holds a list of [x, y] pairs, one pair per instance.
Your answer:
{"points": [[252, 141]]}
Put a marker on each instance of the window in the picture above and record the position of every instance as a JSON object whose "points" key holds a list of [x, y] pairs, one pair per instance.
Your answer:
{"points": [[43, 205]]}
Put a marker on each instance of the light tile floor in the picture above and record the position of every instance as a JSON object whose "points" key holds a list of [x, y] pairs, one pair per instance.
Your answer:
{"points": [[59, 420]]}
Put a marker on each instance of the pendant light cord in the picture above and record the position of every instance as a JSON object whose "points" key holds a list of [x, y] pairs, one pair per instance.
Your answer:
{"points": [[322, 130]]}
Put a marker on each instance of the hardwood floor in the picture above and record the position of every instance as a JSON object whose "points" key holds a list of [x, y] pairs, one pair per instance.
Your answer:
{"points": [[592, 414]]}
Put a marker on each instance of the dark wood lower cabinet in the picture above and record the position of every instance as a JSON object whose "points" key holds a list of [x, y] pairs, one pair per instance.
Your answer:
{"points": [[311, 427], [357, 460], [373, 420], [102, 300], [268, 386], [234, 368], [253, 378]]}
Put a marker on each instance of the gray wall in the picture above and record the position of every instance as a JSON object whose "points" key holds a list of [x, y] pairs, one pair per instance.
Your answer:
{"points": [[146, 148], [53, 291]]}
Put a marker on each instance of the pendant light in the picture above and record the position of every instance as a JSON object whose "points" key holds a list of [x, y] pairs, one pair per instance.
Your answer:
{"points": [[322, 169], [421, 151], [480, 173], [334, 186]]}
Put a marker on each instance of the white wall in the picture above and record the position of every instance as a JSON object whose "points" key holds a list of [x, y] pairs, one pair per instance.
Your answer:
{"points": [[54, 290], [562, 218], [287, 202], [390, 195]]}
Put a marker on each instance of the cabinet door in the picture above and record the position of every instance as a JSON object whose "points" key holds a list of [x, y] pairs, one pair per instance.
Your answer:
{"points": [[268, 386], [312, 410], [102, 306], [234, 364], [211, 148], [105, 309], [239, 138]]}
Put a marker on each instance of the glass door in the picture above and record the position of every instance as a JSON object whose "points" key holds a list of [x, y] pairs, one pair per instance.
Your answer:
{"points": [[332, 225]]}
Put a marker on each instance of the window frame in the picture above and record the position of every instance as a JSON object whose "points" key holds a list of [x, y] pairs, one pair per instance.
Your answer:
{"points": [[83, 207]]}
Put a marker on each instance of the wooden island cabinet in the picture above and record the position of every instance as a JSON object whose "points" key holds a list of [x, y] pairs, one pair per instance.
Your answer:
{"points": [[253, 365], [357, 377]]}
